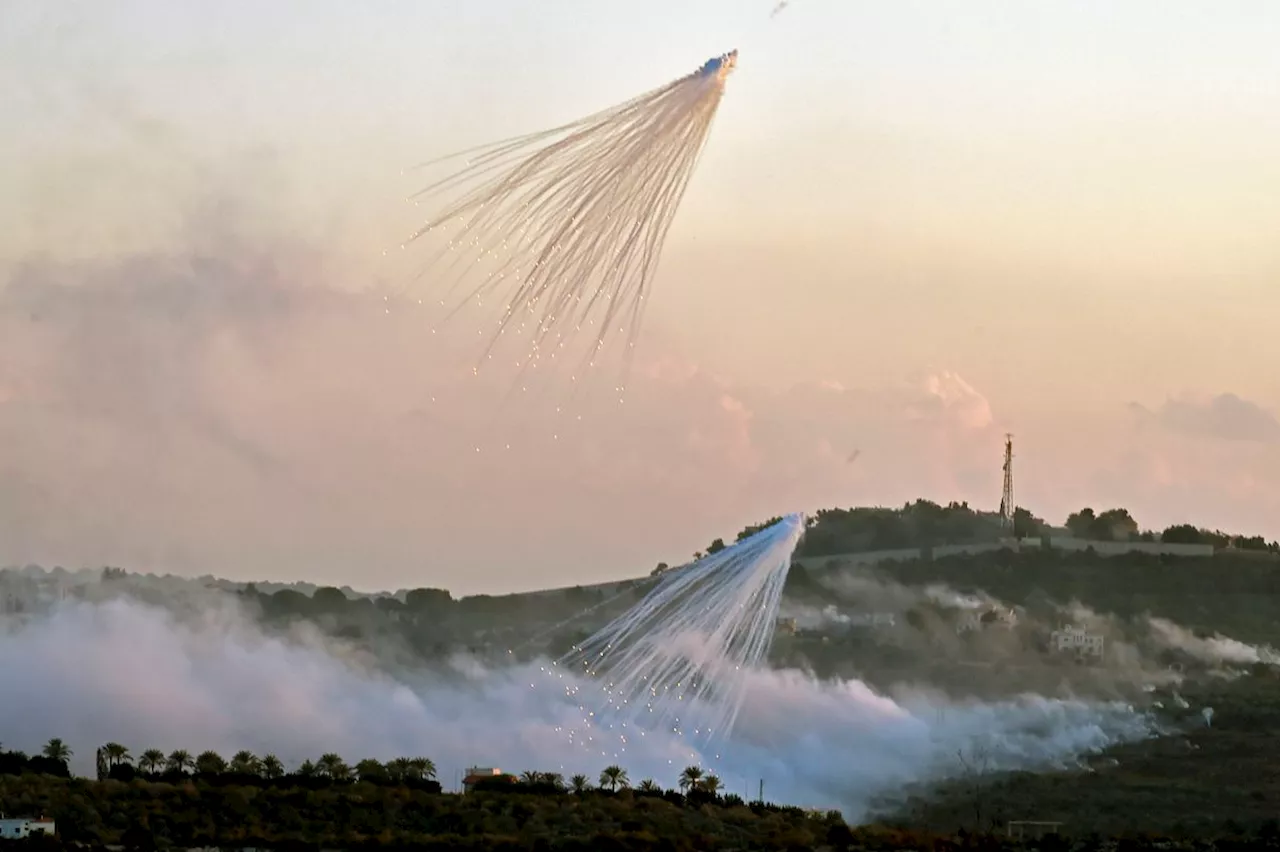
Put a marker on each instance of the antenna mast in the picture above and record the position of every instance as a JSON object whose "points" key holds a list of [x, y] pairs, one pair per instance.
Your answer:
{"points": [[1006, 499]]}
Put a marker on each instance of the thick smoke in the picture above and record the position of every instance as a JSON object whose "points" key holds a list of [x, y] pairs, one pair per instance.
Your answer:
{"points": [[1214, 650], [143, 675]]}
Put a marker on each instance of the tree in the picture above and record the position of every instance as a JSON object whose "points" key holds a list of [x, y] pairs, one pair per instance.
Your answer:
{"points": [[840, 836], [689, 778], [272, 768], [426, 600], [1026, 525], [180, 761], [711, 784], [332, 767], [422, 768], [245, 763], [370, 770], [974, 766], [1181, 534], [151, 761], [715, 546], [580, 784], [56, 749], [614, 777], [648, 785], [755, 528], [1081, 523], [307, 769], [661, 569], [329, 599], [115, 754], [1115, 525], [210, 763]]}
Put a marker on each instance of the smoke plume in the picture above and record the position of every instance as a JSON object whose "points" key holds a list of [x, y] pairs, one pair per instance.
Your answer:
{"points": [[146, 676]]}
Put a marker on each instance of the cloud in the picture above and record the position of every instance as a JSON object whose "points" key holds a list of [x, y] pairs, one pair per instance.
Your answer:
{"points": [[948, 395], [1225, 417], [225, 406]]}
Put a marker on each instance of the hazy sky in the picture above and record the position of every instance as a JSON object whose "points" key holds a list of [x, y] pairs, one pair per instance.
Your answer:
{"points": [[917, 225]]}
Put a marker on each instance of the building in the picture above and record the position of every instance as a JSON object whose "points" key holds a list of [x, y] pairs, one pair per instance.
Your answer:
{"points": [[475, 774], [16, 829], [872, 619], [1077, 641]]}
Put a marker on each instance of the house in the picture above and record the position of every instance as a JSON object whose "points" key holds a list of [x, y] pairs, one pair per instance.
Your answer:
{"points": [[16, 829], [476, 774], [872, 619], [1076, 640]]}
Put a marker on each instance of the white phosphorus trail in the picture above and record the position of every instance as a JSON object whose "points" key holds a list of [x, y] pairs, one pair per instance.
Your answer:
{"points": [[679, 660], [566, 226]]}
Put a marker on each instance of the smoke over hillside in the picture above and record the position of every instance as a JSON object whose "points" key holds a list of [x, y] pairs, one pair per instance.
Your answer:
{"points": [[196, 671]]}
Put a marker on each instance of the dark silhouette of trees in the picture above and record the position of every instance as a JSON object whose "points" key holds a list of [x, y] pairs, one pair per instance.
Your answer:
{"points": [[1027, 525], [1111, 525]]}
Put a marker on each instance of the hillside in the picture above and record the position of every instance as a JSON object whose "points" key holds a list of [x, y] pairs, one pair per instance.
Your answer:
{"points": [[916, 545]]}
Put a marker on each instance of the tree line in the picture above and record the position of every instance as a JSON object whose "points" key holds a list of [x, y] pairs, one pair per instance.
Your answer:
{"points": [[156, 800], [115, 762]]}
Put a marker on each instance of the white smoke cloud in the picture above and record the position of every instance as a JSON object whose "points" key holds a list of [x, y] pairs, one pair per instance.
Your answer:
{"points": [[1215, 649], [135, 673]]}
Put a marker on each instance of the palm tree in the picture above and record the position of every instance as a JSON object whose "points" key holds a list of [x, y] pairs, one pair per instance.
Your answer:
{"points": [[151, 761], [333, 767], [689, 778], [272, 768], [580, 784], [56, 749], [245, 763], [648, 785], [210, 763], [115, 754], [530, 777], [614, 777], [711, 784], [555, 779], [399, 769], [423, 767], [180, 761], [308, 770], [370, 769]]}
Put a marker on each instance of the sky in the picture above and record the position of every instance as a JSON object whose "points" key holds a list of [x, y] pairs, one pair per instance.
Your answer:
{"points": [[917, 226]]}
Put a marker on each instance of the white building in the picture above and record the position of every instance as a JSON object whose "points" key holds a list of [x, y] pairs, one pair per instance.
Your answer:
{"points": [[16, 829], [872, 619], [1077, 640]]}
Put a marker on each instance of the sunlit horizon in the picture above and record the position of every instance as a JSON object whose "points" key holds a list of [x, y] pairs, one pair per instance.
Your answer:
{"points": [[916, 227]]}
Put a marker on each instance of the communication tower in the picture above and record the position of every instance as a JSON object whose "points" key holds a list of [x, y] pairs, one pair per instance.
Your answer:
{"points": [[1006, 499]]}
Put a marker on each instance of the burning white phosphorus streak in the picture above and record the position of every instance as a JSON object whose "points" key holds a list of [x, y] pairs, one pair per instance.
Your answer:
{"points": [[572, 220], [679, 659]]}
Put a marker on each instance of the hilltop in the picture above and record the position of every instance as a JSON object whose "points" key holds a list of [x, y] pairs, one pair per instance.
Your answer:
{"points": [[1204, 578]]}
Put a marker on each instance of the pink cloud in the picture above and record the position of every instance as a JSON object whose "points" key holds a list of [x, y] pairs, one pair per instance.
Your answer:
{"points": [[232, 417]]}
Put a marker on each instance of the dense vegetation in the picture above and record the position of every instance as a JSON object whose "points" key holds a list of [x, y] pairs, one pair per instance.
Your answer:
{"points": [[1218, 781], [1155, 794], [203, 800]]}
